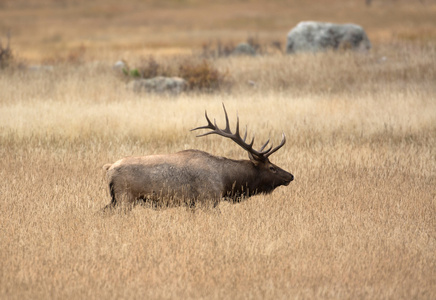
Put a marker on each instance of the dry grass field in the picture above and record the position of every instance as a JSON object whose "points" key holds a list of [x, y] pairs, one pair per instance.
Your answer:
{"points": [[359, 221]]}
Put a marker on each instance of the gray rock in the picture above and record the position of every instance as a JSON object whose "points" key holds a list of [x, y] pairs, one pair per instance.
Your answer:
{"points": [[159, 84], [40, 68], [317, 36], [244, 49], [119, 65]]}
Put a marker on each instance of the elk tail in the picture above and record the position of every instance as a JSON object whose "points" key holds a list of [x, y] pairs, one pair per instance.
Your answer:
{"points": [[111, 205], [112, 192]]}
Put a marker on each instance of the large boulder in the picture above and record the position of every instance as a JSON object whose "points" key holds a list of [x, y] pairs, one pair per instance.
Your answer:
{"points": [[312, 36], [159, 84]]}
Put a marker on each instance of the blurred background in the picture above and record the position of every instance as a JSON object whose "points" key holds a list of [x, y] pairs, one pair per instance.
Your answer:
{"points": [[47, 31]]}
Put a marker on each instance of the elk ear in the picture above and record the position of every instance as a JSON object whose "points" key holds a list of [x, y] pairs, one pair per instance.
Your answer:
{"points": [[254, 159]]}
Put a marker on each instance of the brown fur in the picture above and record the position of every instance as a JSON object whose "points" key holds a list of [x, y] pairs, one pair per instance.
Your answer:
{"points": [[193, 175]]}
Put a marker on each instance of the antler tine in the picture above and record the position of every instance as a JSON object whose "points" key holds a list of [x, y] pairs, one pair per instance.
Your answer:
{"points": [[245, 135], [227, 121], [237, 126], [252, 142], [209, 123], [208, 126], [216, 126], [264, 145], [269, 152]]}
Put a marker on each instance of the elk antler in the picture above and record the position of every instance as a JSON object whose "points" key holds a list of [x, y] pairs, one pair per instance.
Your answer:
{"points": [[261, 154]]}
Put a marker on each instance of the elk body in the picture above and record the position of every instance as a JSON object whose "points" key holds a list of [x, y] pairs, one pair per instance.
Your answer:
{"points": [[194, 175]]}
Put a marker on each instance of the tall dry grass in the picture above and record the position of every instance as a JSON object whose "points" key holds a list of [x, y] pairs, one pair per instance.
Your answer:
{"points": [[359, 221]]}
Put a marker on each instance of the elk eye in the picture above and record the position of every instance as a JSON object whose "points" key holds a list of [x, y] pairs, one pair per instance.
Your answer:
{"points": [[272, 169]]}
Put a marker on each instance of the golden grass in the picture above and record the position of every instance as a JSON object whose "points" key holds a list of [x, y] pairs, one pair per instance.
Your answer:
{"points": [[359, 221]]}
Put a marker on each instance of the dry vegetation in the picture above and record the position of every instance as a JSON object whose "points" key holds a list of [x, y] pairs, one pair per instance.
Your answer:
{"points": [[359, 221]]}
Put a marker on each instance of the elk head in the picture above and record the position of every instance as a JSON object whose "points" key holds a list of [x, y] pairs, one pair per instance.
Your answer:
{"points": [[268, 176]]}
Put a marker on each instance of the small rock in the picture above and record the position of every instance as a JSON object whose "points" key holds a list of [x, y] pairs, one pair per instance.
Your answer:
{"points": [[244, 49], [159, 84]]}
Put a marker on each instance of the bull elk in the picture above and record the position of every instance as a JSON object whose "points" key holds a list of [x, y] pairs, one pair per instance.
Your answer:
{"points": [[195, 175]]}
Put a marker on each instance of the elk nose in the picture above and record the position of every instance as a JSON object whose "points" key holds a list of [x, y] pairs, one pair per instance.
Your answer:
{"points": [[289, 179]]}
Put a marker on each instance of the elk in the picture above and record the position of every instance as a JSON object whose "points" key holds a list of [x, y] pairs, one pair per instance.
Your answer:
{"points": [[194, 175]]}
